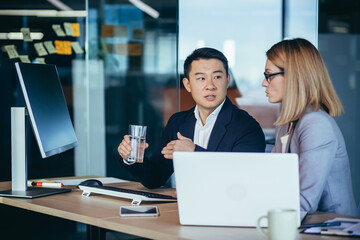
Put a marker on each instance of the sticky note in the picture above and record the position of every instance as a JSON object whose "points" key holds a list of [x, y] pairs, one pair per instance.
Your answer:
{"points": [[39, 47], [68, 29], [77, 48], [40, 60], [26, 34], [135, 49], [120, 31], [24, 58], [76, 29], [50, 47], [58, 30], [11, 51], [107, 31], [138, 33], [63, 47]]}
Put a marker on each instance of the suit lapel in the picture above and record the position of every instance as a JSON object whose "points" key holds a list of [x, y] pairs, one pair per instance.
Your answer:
{"points": [[287, 149], [187, 128], [219, 128]]}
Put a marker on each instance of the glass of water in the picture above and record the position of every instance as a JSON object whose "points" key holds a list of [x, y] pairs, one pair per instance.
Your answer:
{"points": [[137, 136]]}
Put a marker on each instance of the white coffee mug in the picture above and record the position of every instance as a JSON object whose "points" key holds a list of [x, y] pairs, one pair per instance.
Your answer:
{"points": [[282, 224]]}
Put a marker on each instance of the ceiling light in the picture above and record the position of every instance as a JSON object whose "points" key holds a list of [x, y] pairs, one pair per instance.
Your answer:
{"points": [[145, 8], [60, 5], [43, 13], [19, 36]]}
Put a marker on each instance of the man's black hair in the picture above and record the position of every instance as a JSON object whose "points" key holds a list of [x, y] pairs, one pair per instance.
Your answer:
{"points": [[205, 53]]}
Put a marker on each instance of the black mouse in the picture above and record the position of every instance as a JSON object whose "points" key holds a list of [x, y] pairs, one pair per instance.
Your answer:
{"points": [[91, 183]]}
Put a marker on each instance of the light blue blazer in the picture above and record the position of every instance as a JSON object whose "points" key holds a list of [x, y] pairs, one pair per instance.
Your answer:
{"points": [[325, 179]]}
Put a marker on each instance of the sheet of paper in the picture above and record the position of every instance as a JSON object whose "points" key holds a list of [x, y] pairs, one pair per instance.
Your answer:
{"points": [[349, 226], [105, 180], [24, 58], [63, 47], [40, 60], [58, 30], [50, 47], [122, 49], [40, 49], [26, 34], [11, 51], [120, 31], [77, 48], [76, 29], [68, 29]]}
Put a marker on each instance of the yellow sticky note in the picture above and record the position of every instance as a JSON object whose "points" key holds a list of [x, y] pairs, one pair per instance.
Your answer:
{"points": [[76, 29], [107, 31], [63, 47], [135, 49]]}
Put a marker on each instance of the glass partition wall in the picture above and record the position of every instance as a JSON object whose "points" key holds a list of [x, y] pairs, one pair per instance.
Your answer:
{"points": [[132, 55], [38, 32]]}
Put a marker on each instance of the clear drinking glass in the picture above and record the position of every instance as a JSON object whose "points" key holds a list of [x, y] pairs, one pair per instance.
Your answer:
{"points": [[137, 136]]}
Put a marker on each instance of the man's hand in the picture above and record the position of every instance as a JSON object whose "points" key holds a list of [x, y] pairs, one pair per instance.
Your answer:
{"points": [[124, 148], [183, 144]]}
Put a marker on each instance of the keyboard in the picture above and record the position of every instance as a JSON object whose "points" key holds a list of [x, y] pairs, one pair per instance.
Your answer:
{"points": [[136, 196]]}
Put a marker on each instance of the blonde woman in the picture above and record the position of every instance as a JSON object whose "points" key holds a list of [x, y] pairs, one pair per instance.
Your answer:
{"points": [[296, 77]]}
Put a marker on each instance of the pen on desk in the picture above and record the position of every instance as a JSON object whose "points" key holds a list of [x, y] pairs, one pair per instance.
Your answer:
{"points": [[336, 233], [46, 184], [328, 224]]}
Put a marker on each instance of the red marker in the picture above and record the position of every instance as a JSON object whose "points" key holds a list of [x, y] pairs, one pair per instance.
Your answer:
{"points": [[47, 184]]}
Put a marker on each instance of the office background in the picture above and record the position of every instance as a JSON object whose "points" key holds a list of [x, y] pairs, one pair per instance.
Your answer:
{"points": [[130, 70]]}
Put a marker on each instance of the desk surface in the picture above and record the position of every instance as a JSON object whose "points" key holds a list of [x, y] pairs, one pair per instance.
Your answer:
{"points": [[103, 211]]}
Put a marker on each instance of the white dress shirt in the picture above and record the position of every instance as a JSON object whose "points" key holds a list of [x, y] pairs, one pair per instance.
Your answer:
{"points": [[202, 132]]}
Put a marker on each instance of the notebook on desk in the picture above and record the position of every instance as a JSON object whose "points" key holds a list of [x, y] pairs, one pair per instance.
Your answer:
{"points": [[234, 189]]}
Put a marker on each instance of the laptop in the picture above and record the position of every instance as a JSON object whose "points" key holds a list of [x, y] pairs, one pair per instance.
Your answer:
{"points": [[234, 189]]}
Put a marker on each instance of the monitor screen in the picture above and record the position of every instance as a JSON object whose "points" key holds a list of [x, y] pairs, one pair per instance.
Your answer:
{"points": [[46, 105]]}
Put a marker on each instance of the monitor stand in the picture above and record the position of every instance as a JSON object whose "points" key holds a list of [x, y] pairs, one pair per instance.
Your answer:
{"points": [[19, 161]]}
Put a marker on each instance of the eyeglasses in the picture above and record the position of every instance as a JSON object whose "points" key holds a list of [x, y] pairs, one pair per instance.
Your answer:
{"points": [[268, 76]]}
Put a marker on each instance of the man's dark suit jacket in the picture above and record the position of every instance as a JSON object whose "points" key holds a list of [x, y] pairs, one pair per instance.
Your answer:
{"points": [[234, 131]]}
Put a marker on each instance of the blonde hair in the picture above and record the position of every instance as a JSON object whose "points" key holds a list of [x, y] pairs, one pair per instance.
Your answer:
{"points": [[307, 81]]}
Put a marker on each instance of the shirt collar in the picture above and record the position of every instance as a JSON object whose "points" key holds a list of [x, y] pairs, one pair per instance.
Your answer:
{"points": [[214, 114]]}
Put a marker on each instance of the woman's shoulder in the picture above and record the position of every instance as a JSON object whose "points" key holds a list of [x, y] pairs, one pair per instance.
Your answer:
{"points": [[316, 122], [316, 117]]}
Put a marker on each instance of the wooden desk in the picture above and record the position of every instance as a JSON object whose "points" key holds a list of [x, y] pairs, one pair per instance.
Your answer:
{"points": [[103, 212]]}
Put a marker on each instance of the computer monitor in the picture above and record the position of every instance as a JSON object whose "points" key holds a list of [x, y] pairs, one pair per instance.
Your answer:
{"points": [[50, 121]]}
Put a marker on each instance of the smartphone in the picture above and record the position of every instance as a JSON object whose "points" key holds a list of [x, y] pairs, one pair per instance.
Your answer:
{"points": [[139, 211]]}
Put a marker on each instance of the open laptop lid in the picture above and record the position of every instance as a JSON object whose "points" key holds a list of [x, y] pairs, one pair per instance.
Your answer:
{"points": [[234, 189]]}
